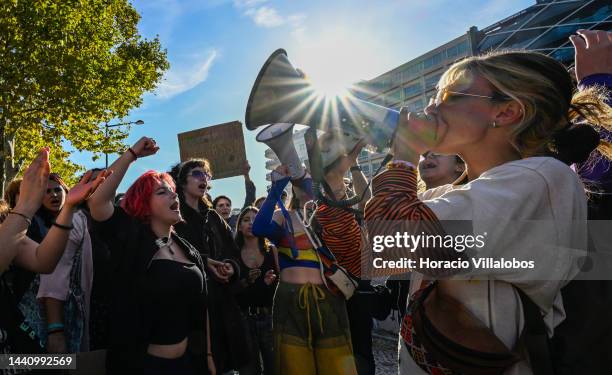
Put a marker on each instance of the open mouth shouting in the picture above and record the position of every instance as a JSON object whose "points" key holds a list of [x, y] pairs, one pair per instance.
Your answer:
{"points": [[428, 164], [56, 202]]}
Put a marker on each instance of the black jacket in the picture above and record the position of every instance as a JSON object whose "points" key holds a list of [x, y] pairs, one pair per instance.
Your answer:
{"points": [[212, 237]]}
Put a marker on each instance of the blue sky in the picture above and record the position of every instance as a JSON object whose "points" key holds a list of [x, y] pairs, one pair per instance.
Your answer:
{"points": [[216, 48]]}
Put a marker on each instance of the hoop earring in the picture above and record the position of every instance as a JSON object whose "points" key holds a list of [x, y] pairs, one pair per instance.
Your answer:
{"points": [[494, 125]]}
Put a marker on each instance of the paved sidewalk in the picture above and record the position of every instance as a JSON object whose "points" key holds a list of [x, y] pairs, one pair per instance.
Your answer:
{"points": [[385, 352]]}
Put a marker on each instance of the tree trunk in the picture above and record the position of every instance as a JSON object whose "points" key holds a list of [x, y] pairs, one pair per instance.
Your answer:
{"points": [[12, 167], [3, 158], [8, 167]]}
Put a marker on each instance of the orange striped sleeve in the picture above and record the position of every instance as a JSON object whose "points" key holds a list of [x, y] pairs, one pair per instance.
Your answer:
{"points": [[342, 235], [395, 208]]}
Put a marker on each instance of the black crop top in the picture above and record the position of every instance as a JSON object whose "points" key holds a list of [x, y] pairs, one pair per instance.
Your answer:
{"points": [[131, 244], [257, 294], [172, 298]]}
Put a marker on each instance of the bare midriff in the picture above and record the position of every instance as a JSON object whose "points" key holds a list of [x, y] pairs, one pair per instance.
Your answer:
{"points": [[301, 275], [172, 351]]}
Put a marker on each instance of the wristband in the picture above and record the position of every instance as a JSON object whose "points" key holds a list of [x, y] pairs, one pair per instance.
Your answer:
{"points": [[54, 326], [27, 219], [131, 151], [64, 227]]}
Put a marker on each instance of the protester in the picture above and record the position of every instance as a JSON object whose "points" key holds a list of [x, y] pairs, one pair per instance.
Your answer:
{"points": [[360, 185], [593, 68], [259, 202], [102, 281], [159, 293], [259, 269], [434, 170], [4, 210], [43, 296], [65, 293], [310, 325], [437, 169], [11, 194], [503, 113], [341, 232], [212, 237], [223, 205], [17, 335], [581, 342]]}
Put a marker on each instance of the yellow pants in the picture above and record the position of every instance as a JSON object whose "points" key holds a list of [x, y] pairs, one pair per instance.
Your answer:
{"points": [[311, 332]]}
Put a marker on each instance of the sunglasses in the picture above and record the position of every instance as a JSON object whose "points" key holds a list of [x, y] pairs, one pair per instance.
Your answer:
{"points": [[445, 95], [200, 175], [57, 190]]}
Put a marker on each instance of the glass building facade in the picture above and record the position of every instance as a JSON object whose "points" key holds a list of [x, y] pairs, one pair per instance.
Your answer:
{"points": [[546, 26]]}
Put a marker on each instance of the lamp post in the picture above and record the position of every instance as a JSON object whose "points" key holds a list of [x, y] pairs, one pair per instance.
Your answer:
{"points": [[106, 126]]}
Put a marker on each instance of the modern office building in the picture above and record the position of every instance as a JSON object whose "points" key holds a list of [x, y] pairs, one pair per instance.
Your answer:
{"points": [[543, 27], [546, 26]]}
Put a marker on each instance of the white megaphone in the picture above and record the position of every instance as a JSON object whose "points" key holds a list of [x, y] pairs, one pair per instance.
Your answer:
{"points": [[279, 137], [282, 94]]}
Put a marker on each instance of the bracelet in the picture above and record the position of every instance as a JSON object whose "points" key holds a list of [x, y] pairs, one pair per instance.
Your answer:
{"points": [[401, 164], [54, 326], [64, 227], [27, 219], [133, 153]]}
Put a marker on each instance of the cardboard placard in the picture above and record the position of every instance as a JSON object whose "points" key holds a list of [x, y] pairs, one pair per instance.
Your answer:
{"points": [[222, 145]]}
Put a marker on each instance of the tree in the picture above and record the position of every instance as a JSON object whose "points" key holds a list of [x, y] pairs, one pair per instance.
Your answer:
{"points": [[67, 67]]}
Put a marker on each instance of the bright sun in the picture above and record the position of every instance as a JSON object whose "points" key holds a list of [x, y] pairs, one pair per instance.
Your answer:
{"points": [[328, 82], [332, 60]]}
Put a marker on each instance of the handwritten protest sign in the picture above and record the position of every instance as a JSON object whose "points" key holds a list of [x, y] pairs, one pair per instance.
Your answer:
{"points": [[222, 145]]}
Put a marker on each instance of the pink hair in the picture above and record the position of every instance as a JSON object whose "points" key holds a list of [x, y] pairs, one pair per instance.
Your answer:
{"points": [[137, 199]]}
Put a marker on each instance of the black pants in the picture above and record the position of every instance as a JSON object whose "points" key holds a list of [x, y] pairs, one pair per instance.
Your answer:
{"points": [[360, 321], [162, 366]]}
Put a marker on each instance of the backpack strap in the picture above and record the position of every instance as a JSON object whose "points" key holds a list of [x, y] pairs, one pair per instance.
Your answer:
{"points": [[535, 337]]}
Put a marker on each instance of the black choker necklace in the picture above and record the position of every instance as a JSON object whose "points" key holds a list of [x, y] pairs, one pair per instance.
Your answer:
{"points": [[165, 242]]}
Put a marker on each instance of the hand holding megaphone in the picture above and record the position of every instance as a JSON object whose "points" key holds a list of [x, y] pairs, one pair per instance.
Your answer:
{"points": [[416, 133], [280, 172]]}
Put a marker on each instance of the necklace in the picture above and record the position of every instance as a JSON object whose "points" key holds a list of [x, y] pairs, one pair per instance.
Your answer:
{"points": [[165, 242], [251, 256]]}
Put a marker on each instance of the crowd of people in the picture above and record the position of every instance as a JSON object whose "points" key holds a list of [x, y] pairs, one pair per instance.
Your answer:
{"points": [[165, 280]]}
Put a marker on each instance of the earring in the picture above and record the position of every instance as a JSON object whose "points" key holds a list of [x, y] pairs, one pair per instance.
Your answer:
{"points": [[494, 125]]}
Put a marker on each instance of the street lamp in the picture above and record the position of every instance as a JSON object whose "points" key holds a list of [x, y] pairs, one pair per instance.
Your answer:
{"points": [[106, 126]]}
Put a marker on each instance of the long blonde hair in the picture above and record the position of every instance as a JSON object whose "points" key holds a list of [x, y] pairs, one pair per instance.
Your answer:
{"points": [[550, 103]]}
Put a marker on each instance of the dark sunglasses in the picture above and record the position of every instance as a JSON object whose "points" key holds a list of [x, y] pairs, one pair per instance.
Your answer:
{"points": [[200, 175]]}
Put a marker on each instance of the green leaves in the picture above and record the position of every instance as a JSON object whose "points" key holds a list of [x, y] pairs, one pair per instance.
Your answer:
{"points": [[67, 68]]}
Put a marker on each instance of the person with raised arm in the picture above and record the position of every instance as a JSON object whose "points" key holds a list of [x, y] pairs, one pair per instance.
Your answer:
{"points": [[16, 246], [24, 253], [310, 323], [159, 302]]}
